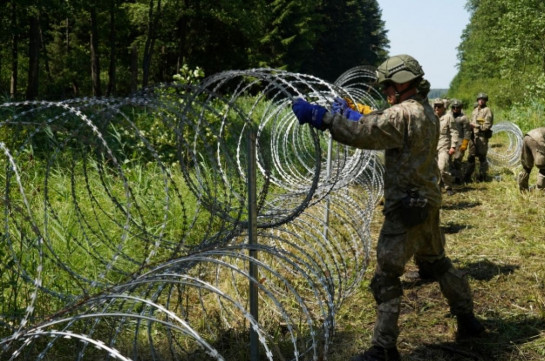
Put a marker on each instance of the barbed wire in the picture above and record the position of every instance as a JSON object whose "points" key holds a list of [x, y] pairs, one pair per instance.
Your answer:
{"points": [[124, 228], [505, 146], [125, 224]]}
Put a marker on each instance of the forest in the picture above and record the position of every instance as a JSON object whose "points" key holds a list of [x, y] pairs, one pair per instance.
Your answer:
{"points": [[502, 52], [58, 49]]}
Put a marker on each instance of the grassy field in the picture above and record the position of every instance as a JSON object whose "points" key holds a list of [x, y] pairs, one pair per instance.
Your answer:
{"points": [[497, 236]]}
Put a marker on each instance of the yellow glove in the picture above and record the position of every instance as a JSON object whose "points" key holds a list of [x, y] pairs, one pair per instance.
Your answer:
{"points": [[359, 107], [364, 109], [463, 147]]}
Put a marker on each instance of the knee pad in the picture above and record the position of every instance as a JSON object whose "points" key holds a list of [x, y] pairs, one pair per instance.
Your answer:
{"points": [[385, 288]]}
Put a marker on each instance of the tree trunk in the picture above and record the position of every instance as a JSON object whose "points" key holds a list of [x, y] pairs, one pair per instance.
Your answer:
{"points": [[112, 68], [95, 66], [150, 41], [134, 68], [14, 53], [33, 58]]}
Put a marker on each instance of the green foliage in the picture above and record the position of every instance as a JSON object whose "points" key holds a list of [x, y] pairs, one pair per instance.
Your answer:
{"points": [[527, 116], [501, 52], [143, 42], [324, 38]]}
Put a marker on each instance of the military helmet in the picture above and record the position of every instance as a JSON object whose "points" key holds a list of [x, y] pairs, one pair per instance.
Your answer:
{"points": [[399, 69], [438, 101], [455, 103], [482, 96]]}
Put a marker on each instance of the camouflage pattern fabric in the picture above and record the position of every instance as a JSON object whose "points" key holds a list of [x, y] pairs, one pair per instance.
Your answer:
{"points": [[482, 120], [533, 154], [409, 133], [448, 138], [461, 122]]}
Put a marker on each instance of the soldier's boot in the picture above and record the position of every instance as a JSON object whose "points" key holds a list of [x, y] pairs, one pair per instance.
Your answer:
{"points": [[522, 180], [483, 169], [468, 326], [377, 353], [387, 291], [540, 183], [469, 172], [455, 288]]}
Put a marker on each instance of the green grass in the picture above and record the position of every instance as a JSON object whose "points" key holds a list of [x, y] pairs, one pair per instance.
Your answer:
{"points": [[497, 236]]}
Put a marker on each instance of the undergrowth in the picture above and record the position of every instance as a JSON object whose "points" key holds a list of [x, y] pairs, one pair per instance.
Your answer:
{"points": [[495, 235]]}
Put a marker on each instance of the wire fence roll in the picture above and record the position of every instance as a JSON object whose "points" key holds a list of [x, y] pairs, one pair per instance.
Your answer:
{"points": [[125, 221], [505, 146]]}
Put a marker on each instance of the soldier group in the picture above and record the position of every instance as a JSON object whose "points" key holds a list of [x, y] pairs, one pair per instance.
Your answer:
{"points": [[458, 134]]}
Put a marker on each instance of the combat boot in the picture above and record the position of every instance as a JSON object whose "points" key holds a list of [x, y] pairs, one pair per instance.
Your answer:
{"points": [[482, 177], [377, 353], [468, 326]]}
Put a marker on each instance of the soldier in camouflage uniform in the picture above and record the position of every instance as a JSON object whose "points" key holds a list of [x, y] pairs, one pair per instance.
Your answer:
{"points": [[448, 142], [481, 122], [408, 132], [464, 131], [533, 154]]}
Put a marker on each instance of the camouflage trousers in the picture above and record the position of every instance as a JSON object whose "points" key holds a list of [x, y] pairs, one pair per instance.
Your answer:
{"points": [[478, 148], [443, 161], [396, 246], [532, 155]]}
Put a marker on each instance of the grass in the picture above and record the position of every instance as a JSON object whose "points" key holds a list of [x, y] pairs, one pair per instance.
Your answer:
{"points": [[497, 236]]}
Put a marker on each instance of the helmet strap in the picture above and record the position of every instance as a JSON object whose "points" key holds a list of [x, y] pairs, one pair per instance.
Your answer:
{"points": [[404, 94]]}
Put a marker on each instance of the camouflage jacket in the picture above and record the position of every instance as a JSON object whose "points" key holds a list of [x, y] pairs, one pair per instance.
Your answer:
{"points": [[408, 132], [462, 125], [538, 134], [482, 119], [448, 133]]}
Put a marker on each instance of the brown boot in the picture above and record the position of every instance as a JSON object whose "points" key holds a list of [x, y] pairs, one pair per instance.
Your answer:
{"points": [[468, 326]]}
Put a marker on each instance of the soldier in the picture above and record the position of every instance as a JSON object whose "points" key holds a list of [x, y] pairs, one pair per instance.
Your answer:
{"points": [[533, 153], [408, 131], [448, 141], [481, 122], [464, 131]]}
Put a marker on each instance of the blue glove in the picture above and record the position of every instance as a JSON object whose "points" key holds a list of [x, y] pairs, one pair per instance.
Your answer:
{"points": [[340, 106], [309, 113]]}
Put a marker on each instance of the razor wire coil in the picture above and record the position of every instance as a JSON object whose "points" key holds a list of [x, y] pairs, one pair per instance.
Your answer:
{"points": [[125, 220]]}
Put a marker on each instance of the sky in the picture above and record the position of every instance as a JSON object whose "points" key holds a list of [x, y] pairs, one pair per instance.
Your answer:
{"points": [[428, 30]]}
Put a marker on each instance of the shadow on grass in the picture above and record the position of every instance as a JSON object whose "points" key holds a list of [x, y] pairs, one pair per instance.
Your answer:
{"points": [[485, 270], [501, 341], [462, 204], [452, 228]]}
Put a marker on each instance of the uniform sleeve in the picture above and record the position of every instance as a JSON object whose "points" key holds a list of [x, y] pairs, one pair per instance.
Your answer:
{"points": [[466, 127], [454, 134], [377, 130]]}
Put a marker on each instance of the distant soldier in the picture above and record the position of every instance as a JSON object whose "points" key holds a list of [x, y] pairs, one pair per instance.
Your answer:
{"points": [[464, 132], [446, 146], [533, 154], [481, 122]]}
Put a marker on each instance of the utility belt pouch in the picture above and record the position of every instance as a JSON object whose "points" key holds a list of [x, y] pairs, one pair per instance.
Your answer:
{"points": [[414, 209]]}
